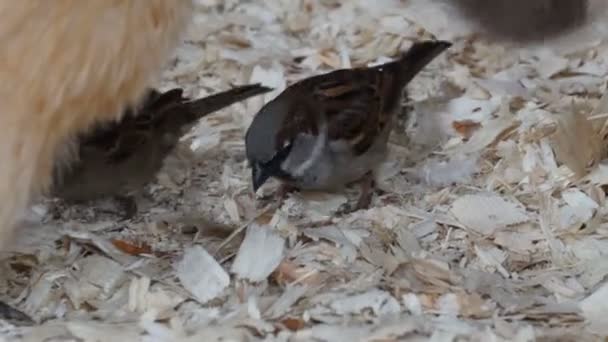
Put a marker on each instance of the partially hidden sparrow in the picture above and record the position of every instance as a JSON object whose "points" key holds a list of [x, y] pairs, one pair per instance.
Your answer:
{"points": [[525, 21], [118, 159], [331, 130]]}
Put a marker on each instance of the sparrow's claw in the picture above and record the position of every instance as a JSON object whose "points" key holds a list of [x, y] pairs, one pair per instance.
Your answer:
{"points": [[284, 190], [364, 201], [55, 211], [367, 192], [128, 205]]}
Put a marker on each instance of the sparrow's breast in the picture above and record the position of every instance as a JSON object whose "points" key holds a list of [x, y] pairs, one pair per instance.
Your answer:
{"points": [[349, 167]]}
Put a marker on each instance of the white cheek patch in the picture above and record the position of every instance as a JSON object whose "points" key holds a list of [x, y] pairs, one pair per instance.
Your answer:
{"points": [[316, 151]]}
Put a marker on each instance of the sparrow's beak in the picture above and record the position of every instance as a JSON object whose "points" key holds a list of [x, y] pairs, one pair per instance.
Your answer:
{"points": [[259, 176]]}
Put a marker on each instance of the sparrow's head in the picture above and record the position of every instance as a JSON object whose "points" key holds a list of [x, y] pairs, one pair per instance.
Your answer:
{"points": [[262, 170], [264, 154]]}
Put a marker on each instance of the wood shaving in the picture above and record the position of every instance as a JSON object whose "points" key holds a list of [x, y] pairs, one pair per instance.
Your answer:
{"points": [[260, 253], [490, 223], [485, 214], [201, 275]]}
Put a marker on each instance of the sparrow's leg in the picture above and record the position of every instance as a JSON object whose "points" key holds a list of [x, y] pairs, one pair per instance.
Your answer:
{"points": [[367, 185], [367, 191], [55, 211], [14, 316], [128, 205], [279, 196]]}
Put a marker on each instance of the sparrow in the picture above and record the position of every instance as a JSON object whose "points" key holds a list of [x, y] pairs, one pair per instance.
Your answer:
{"points": [[331, 130], [119, 158], [524, 21], [104, 54]]}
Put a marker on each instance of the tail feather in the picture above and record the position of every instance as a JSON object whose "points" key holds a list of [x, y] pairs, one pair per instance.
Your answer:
{"points": [[419, 56], [184, 114], [210, 104]]}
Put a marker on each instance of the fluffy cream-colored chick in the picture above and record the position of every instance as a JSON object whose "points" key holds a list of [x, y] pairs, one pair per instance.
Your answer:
{"points": [[65, 65]]}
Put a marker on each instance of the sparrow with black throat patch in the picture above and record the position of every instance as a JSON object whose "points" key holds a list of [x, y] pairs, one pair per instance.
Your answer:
{"points": [[327, 131], [120, 158]]}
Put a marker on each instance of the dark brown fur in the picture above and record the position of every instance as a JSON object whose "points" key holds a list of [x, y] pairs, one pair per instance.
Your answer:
{"points": [[524, 20]]}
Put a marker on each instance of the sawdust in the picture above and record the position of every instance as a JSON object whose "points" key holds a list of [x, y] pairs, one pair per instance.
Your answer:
{"points": [[492, 230]]}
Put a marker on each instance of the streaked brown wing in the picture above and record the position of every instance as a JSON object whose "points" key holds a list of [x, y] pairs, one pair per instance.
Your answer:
{"points": [[118, 140], [357, 104], [302, 117], [126, 145], [353, 103]]}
